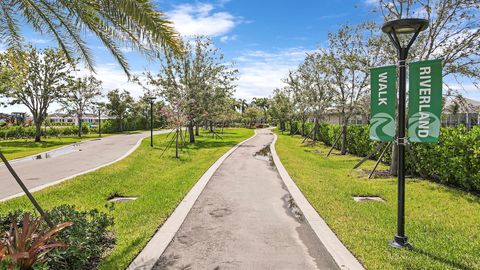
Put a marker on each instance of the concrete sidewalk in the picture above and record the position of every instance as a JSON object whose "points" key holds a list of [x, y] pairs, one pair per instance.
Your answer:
{"points": [[57, 165], [245, 219]]}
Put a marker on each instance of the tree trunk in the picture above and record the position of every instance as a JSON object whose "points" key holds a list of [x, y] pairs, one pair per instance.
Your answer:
{"points": [[303, 126], [80, 126], [315, 128], [38, 131], [176, 144], [344, 138], [197, 129], [291, 126], [190, 132], [120, 124], [211, 126]]}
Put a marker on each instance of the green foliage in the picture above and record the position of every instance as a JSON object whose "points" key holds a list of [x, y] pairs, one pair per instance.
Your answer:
{"points": [[26, 243], [86, 240], [454, 161], [18, 132]]}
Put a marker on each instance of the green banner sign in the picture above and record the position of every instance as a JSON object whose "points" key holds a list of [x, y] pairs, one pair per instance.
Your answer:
{"points": [[382, 103], [425, 101]]}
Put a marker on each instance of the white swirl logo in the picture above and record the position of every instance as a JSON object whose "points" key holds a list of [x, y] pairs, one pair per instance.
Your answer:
{"points": [[382, 125], [423, 127]]}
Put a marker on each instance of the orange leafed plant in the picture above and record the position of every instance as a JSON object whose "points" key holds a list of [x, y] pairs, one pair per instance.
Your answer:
{"points": [[21, 248]]}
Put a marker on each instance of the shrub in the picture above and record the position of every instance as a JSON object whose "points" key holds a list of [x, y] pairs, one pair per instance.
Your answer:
{"points": [[454, 161], [88, 239], [25, 246]]}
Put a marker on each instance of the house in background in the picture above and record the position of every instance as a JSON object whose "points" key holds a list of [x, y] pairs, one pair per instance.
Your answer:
{"points": [[461, 111], [73, 120]]}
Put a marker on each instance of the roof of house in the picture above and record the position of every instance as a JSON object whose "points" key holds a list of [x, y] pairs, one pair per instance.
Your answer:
{"points": [[465, 105]]}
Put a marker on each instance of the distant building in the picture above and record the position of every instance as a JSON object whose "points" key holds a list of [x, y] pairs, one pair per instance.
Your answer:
{"points": [[66, 118], [461, 111]]}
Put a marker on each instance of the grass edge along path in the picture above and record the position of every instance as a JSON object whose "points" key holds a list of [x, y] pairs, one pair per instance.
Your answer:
{"points": [[442, 223], [159, 183]]}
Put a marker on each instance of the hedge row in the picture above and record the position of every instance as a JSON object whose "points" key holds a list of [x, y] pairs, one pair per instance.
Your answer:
{"points": [[454, 161], [20, 132]]}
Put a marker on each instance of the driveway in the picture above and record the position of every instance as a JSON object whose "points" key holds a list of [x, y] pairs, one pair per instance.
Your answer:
{"points": [[55, 165]]}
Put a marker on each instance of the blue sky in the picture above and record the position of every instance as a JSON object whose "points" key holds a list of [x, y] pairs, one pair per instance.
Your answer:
{"points": [[265, 39]]}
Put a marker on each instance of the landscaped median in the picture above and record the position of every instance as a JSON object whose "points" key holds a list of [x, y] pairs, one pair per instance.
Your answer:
{"points": [[159, 183], [442, 223]]}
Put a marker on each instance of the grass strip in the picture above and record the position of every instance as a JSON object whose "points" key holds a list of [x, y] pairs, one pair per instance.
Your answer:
{"points": [[18, 148]]}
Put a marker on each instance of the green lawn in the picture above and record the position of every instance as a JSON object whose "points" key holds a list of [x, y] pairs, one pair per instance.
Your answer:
{"points": [[19, 148], [442, 223], [159, 183]]}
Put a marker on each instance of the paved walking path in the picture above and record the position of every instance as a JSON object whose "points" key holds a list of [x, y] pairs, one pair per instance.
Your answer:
{"points": [[245, 219], [56, 165]]}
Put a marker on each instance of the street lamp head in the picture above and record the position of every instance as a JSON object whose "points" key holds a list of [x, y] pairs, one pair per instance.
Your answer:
{"points": [[405, 26]]}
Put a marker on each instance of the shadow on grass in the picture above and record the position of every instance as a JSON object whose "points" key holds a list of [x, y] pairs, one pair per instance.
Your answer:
{"points": [[443, 260]]}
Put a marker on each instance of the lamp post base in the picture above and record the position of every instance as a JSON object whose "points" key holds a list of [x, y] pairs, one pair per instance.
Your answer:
{"points": [[400, 242]]}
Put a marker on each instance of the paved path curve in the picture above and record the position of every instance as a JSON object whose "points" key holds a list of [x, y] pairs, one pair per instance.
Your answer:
{"points": [[56, 165], [245, 219]]}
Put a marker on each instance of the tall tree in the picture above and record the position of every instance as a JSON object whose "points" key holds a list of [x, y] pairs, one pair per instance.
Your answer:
{"points": [[132, 23], [119, 104], [35, 79], [80, 96]]}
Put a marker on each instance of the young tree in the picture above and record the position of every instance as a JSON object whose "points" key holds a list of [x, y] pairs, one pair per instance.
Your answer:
{"points": [[351, 52], [252, 115], [197, 83], [137, 24], [119, 104], [36, 80], [299, 98], [318, 90], [80, 96], [281, 107]]}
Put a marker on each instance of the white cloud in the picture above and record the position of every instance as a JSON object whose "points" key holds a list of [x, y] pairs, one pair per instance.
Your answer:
{"points": [[39, 41], [261, 71], [225, 39], [201, 19]]}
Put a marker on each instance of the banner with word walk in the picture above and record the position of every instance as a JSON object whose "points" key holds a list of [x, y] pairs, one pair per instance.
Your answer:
{"points": [[425, 101], [383, 103]]}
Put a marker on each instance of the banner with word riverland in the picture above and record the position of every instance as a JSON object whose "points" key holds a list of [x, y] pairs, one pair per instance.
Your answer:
{"points": [[425, 101], [382, 103]]}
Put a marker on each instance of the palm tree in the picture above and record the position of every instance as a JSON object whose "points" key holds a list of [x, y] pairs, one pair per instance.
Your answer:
{"points": [[117, 23]]}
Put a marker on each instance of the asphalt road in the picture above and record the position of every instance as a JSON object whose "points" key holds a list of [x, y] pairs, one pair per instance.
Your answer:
{"points": [[55, 165], [246, 219]]}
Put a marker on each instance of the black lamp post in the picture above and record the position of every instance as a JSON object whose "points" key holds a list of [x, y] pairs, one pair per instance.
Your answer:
{"points": [[152, 99], [99, 106], [394, 28]]}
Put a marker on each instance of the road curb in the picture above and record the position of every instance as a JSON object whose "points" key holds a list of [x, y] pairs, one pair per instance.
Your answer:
{"points": [[162, 238], [35, 189], [342, 256]]}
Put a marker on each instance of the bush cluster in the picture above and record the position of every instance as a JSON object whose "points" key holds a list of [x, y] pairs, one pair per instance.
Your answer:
{"points": [[87, 240], [454, 161]]}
